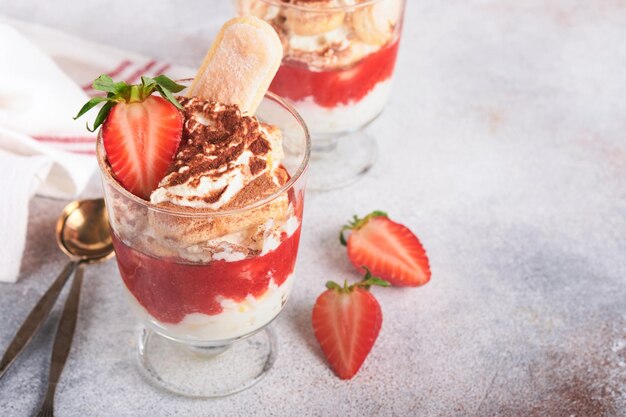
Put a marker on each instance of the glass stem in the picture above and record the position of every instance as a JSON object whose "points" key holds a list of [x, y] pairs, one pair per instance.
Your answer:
{"points": [[322, 146], [209, 351]]}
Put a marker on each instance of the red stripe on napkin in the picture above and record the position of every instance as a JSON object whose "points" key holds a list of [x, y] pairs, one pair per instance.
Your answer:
{"points": [[161, 70], [84, 151], [83, 145], [135, 76], [65, 139]]}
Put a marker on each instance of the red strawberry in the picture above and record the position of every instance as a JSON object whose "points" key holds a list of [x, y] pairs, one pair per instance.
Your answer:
{"points": [[141, 140], [346, 321], [140, 132], [389, 249]]}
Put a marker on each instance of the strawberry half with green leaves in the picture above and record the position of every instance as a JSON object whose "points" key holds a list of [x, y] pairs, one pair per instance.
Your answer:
{"points": [[346, 321], [389, 249], [140, 132]]}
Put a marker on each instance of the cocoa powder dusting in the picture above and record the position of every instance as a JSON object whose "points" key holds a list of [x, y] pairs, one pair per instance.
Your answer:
{"points": [[257, 165], [214, 137]]}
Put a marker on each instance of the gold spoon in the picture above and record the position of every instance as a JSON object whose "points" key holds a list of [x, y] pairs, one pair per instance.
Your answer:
{"points": [[82, 233]]}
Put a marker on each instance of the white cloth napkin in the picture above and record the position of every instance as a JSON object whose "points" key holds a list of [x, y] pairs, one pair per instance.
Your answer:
{"points": [[37, 101], [21, 177], [45, 78]]}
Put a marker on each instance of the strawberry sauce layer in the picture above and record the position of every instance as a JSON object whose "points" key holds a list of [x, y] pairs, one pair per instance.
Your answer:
{"points": [[338, 86], [170, 290]]}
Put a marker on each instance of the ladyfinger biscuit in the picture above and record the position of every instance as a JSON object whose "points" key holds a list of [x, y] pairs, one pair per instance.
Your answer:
{"points": [[193, 231], [240, 65]]}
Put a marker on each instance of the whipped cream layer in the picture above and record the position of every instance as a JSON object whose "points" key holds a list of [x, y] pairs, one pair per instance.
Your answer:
{"points": [[221, 154]]}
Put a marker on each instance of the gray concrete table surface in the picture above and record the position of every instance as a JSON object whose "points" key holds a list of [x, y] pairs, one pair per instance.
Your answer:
{"points": [[503, 148]]}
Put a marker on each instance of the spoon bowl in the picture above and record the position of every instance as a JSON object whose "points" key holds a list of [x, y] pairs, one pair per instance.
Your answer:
{"points": [[82, 231]]}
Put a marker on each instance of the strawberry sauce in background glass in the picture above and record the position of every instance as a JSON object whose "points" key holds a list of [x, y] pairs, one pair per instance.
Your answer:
{"points": [[204, 310], [337, 68]]}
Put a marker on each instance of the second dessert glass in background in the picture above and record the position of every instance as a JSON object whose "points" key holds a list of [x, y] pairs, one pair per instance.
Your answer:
{"points": [[339, 58], [204, 307]]}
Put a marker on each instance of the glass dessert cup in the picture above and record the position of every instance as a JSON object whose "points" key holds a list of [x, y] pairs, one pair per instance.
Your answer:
{"points": [[204, 306], [338, 63]]}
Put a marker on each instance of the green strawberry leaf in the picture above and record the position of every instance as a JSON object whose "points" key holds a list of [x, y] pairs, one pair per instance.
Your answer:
{"points": [[90, 105], [102, 115], [377, 213], [166, 94], [342, 237], [168, 84], [375, 281], [146, 81], [106, 83], [369, 280], [332, 285]]}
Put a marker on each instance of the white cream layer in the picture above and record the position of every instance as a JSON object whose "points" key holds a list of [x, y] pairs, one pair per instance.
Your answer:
{"points": [[237, 318], [344, 117]]}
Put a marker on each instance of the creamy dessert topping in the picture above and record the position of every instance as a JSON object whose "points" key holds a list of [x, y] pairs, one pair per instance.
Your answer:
{"points": [[225, 160]]}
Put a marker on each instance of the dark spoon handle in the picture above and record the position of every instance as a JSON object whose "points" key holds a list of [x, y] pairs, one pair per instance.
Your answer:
{"points": [[63, 341], [35, 318]]}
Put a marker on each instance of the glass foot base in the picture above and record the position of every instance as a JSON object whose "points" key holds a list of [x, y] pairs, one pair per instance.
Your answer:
{"points": [[341, 161], [205, 372]]}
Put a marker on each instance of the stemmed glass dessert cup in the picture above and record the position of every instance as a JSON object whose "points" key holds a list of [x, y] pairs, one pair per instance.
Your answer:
{"points": [[204, 308], [339, 58]]}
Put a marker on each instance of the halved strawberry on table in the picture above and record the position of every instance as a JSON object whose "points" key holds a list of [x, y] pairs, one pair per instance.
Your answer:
{"points": [[140, 131], [346, 321], [389, 249]]}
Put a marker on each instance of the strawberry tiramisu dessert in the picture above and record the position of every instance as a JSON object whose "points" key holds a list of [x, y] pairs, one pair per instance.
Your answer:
{"points": [[339, 57], [205, 202], [202, 278]]}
